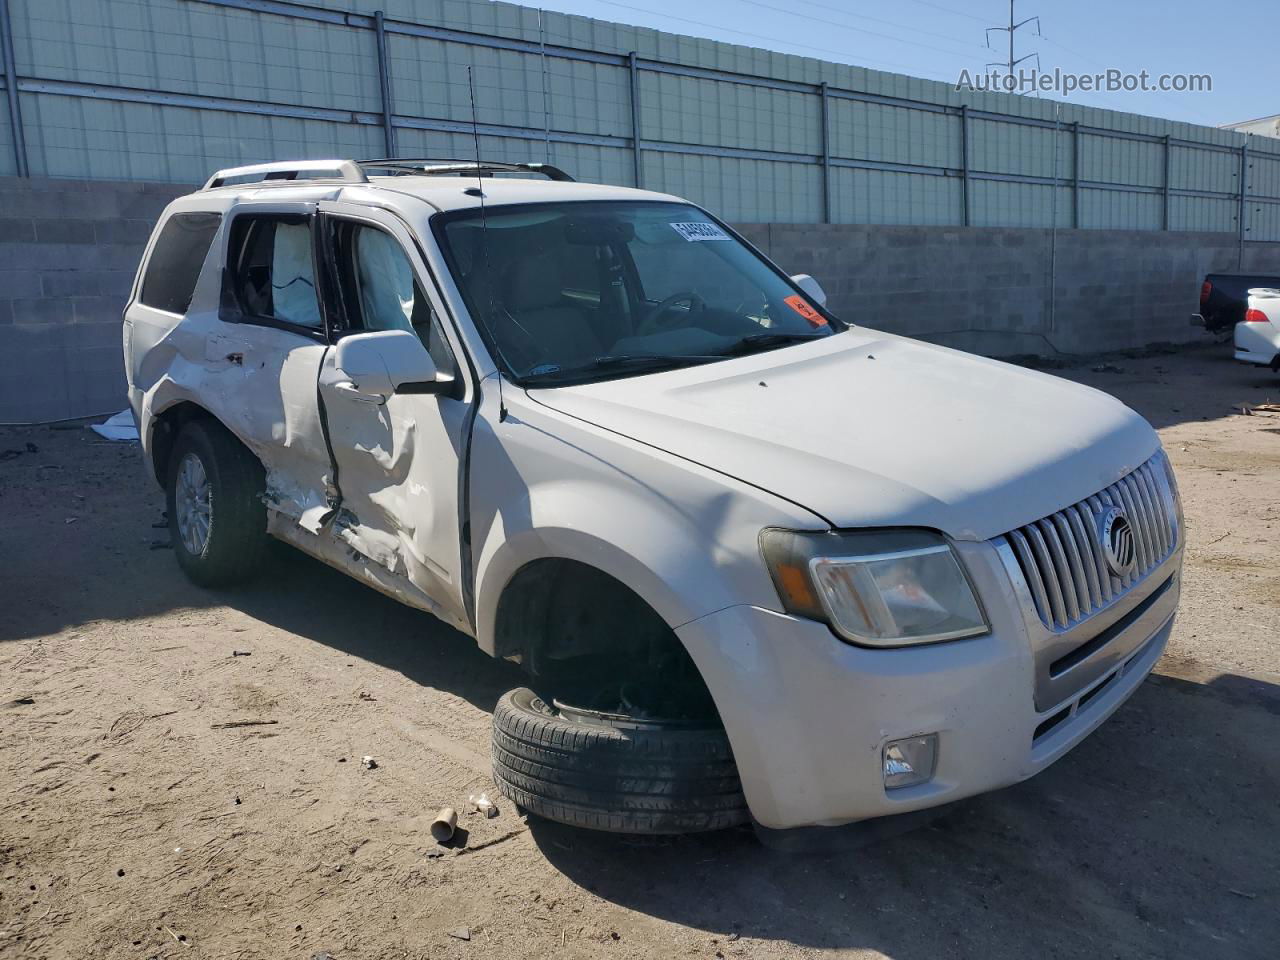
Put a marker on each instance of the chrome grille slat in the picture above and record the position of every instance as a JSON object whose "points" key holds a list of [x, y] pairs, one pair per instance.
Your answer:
{"points": [[1068, 538], [1154, 540], [1155, 505], [1030, 569], [1064, 561], [1139, 530], [1057, 613], [1065, 578], [1089, 557]]}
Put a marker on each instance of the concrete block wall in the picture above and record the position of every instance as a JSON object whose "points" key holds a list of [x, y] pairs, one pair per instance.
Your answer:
{"points": [[987, 289], [69, 250], [68, 253]]}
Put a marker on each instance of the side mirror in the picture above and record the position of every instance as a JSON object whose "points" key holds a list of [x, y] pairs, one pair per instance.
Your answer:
{"points": [[384, 362], [811, 287]]}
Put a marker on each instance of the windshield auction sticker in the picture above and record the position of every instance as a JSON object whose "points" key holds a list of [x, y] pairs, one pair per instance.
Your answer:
{"points": [[699, 231], [797, 303]]}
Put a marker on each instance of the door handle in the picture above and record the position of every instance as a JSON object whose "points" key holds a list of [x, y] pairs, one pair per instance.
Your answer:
{"points": [[349, 390]]}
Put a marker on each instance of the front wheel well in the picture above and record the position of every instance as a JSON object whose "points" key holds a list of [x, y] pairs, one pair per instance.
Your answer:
{"points": [[587, 637]]}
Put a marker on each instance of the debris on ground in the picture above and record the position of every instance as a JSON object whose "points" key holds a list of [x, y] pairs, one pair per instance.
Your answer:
{"points": [[21, 702], [482, 804], [243, 723], [241, 653], [462, 933], [118, 427], [369, 763], [444, 824]]}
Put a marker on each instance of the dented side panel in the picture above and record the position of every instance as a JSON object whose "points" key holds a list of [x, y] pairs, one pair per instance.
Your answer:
{"points": [[257, 381], [398, 472]]}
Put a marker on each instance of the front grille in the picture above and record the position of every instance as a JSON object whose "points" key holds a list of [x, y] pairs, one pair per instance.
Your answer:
{"points": [[1062, 557]]}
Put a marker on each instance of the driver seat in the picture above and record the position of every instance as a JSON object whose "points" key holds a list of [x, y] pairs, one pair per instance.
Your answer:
{"points": [[534, 296]]}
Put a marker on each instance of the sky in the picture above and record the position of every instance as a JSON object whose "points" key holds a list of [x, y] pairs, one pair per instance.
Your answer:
{"points": [[940, 38]]}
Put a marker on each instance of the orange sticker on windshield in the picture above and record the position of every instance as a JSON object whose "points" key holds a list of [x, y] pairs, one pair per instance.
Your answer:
{"points": [[798, 304]]}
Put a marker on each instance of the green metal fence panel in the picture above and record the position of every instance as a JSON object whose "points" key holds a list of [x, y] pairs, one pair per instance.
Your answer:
{"points": [[754, 190], [189, 47], [148, 142], [8, 160], [879, 196], [170, 89], [872, 131], [1121, 210]]}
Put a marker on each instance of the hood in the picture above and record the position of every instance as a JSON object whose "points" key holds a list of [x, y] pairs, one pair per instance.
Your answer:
{"points": [[869, 429]]}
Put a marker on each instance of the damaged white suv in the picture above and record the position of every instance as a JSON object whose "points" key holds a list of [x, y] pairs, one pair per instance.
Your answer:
{"points": [[760, 563]]}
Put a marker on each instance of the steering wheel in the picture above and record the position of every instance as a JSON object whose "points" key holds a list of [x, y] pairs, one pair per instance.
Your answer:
{"points": [[664, 316]]}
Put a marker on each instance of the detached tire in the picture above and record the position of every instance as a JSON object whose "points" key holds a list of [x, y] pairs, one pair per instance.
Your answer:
{"points": [[217, 519], [641, 778]]}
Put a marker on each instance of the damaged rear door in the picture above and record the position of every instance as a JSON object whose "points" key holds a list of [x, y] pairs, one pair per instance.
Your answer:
{"points": [[263, 351], [397, 457]]}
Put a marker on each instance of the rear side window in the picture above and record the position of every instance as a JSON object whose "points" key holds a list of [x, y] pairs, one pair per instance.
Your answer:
{"points": [[176, 260], [272, 270]]}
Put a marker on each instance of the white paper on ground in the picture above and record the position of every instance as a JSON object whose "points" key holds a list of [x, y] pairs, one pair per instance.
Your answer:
{"points": [[119, 427]]}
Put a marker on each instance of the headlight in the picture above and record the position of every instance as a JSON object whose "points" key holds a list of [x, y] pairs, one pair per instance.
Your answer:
{"points": [[879, 588]]}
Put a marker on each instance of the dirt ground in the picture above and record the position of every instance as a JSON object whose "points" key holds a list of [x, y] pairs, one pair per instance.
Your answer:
{"points": [[133, 825]]}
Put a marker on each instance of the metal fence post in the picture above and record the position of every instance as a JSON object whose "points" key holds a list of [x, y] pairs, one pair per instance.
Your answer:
{"points": [[635, 117], [1168, 166], [1075, 174], [964, 164], [826, 152], [1244, 190], [384, 79], [11, 91]]}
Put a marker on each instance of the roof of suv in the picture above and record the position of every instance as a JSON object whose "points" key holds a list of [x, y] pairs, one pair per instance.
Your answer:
{"points": [[444, 191], [450, 193]]}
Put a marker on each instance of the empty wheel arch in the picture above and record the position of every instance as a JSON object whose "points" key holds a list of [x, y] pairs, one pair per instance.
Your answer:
{"points": [[619, 732]]}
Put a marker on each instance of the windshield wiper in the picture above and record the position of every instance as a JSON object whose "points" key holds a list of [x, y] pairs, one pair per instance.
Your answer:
{"points": [[660, 361], [765, 340]]}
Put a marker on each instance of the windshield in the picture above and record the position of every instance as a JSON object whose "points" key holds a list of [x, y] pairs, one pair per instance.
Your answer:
{"points": [[574, 291]]}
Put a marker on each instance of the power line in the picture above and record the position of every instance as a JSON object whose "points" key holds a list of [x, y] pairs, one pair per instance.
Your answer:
{"points": [[843, 55], [888, 23], [1100, 66], [853, 29], [958, 13]]}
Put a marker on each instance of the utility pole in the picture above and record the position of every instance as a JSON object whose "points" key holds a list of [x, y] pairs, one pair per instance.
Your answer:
{"points": [[1011, 29]]}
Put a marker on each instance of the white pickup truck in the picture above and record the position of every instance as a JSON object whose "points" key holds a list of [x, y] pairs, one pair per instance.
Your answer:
{"points": [[759, 562], [1257, 335]]}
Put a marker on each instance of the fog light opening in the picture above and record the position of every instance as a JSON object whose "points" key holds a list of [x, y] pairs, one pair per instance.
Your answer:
{"points": [[909, 762]]}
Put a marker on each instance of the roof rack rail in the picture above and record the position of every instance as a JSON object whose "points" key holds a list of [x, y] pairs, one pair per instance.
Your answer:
{"points": [[344, 170], [418, 166]]}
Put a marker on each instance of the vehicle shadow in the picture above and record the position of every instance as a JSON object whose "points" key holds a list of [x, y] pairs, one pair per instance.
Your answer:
{"points": [[309, 599], [1147, 840]]}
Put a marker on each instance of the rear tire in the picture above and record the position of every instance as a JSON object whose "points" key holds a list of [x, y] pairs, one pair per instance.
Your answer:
{"points": [[640, 779], [217, 518]]}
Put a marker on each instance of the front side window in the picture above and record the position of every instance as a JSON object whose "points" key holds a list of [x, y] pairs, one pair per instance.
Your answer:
{"points": [[576, 290], [379, 290], [176, 261], [273, 270]]}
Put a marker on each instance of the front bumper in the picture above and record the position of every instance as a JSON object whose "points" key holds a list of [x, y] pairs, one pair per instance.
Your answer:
{"points": [[808, 715]]}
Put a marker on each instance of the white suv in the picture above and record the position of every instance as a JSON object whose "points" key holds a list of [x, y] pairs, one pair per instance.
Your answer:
{"points": [[759, 562]]}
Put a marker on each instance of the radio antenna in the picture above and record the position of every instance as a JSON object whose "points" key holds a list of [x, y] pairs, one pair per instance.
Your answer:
{"points": [[475, 136], [484, 229]]}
